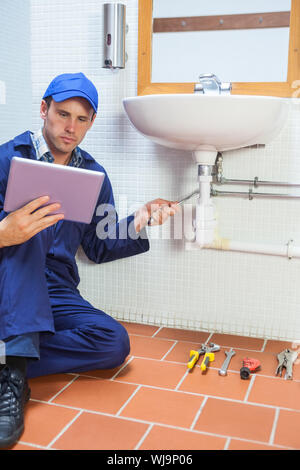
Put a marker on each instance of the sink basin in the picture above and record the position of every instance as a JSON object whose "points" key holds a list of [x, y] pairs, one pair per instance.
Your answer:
{"points": [[206, 124]]}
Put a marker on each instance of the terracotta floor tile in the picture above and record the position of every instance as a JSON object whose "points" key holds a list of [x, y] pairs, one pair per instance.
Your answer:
{"points": [[234, 341], [44, 388], [139, 329], [278, 346], [211, 383], [153, 373], [276, 392], [236, 444], [288, 429], [43, 422], [238, 420], [153, 348], [162, 438], [95, 432], [183, 335], [161, 406], [181, 351], [95, 394]]}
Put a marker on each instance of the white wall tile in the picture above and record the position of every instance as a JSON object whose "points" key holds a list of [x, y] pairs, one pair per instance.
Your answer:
{"points": [[15, 77]]}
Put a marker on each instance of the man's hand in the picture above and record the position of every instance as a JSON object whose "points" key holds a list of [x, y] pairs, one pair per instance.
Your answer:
{"points": [[22, 224], [156, 211]]}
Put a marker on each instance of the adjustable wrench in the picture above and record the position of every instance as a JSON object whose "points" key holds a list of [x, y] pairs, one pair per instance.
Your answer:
{"points": [[229, 355]]}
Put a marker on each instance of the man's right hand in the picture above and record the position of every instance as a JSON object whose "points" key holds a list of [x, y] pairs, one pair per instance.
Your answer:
{"points": [[22, 224]]}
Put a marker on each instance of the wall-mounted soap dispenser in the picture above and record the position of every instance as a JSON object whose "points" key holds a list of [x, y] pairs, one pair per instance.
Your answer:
{"points": [[114, 35]]}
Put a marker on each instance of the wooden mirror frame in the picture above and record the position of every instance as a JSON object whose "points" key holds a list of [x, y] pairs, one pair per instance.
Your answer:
{"points": [[286, 89]]}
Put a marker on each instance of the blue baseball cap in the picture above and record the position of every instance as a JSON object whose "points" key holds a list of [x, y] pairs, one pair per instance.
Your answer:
{"points": [[71, 85]]}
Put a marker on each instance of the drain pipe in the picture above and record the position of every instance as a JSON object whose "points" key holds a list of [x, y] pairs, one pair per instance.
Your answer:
{"points": [[288, 250], [204, 233], [205, 222]]}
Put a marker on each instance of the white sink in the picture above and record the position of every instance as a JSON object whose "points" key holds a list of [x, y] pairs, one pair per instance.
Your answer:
{"points": [[207, 124]]}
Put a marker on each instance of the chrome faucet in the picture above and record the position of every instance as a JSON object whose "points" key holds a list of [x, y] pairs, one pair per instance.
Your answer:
{"points": [[210, 84]]}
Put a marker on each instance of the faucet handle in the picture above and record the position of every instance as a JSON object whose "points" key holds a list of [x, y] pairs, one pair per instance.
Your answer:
{"points": [[209, 76]]}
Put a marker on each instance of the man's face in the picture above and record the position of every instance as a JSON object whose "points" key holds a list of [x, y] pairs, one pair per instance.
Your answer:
{"points": [[66, 123]]}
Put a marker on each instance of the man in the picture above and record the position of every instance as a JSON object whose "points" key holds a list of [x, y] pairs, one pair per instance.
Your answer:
{"points": [[46, 325]]}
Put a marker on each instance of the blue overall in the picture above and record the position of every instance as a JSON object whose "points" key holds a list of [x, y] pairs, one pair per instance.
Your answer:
{"points": [[39, 279]]}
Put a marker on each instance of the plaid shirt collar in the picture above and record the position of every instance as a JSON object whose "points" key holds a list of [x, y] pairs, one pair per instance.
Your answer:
{"points": [[43, 153]]}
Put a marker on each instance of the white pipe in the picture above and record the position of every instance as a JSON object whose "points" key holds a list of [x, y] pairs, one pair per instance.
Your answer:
{"points": [[288, 250], [205, 222]]}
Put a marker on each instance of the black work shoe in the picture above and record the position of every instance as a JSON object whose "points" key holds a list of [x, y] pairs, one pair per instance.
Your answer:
{"points": [[14, 393]]}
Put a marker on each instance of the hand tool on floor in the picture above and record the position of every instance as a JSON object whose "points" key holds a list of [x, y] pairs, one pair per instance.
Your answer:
{"points": [[224, 367], [286, 359], [209, 355], [185, 198], [249, 365], [194, 355]]}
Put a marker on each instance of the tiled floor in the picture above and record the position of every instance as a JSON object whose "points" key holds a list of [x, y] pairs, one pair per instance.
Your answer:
{"points": [[154, 402]]}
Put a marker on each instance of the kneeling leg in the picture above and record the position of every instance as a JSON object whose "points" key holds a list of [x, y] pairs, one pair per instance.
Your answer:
{"points": [[85, 339]]}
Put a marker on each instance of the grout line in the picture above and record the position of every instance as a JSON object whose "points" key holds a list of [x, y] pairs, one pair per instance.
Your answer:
{"points": [[172, 347], [144, 437], [181, 380], [129, 399], [157, 331], [262, 405], [64, 429], [125, 418], [64, 388], [121, 368], [227, 443], [150, 337], [209, 338], [252, 379], [156, 387], [37, 446], [225, 346], [264, 345], [262, 349], [198, 413], [184, 363], [272, 436]]}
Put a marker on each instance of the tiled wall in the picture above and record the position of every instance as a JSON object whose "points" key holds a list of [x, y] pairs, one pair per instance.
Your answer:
{"points": [[226, 292], [15, 80]]}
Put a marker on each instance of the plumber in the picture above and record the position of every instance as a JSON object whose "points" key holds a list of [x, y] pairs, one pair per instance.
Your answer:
{"points": [[46, 325]]}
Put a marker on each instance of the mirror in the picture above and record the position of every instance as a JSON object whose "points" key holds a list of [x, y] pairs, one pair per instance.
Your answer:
{"points": [[239, 41], [257, 48]]}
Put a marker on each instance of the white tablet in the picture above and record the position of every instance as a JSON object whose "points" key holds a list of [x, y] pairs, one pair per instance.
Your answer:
{"points": [[76, 189]]}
